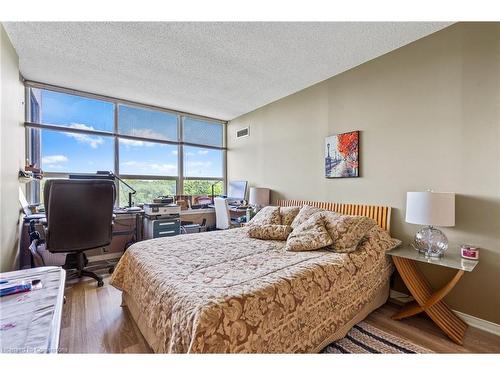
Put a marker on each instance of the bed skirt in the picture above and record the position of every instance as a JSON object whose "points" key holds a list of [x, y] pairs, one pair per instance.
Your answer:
{"points": [[380, 297]]}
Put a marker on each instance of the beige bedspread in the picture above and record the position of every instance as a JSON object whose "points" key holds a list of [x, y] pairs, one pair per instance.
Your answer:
{"points": [[225, 292]]}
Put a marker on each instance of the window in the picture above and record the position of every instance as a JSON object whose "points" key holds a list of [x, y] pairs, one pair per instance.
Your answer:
{"points": [[202, 162], [147, 190], [71, 133], [203, 167], [147, 158], [203, 187], [65, 152], [202, 132], [72, 111], [146, 123]]}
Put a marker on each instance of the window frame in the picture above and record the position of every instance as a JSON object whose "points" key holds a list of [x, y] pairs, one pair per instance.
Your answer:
{"points": [[31, 127]]}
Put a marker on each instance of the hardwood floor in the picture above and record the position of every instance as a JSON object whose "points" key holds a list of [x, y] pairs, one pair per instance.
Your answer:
{"points": [[94, 322]]}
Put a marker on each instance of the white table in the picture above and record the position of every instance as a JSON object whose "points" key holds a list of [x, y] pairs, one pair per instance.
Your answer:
{"points": [[30, 322]]}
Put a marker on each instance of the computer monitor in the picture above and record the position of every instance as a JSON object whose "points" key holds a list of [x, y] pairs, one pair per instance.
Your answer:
{"points": [[236, 191]]}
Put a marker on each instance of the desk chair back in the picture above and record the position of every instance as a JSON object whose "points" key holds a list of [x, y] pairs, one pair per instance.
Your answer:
{"points": [[222, 216], [79, 214]]}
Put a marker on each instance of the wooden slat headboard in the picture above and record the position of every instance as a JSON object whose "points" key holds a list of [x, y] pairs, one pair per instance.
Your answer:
{"points": [[381, 214]]}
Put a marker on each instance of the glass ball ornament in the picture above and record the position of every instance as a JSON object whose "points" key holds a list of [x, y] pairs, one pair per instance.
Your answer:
{"points": [[431, 242]]}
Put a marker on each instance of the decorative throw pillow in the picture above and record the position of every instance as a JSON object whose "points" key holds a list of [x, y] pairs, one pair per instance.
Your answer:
{"points": [[305, 213], [267, 215], [310, 235], [288, 214], [346, 231], [269, 231]]}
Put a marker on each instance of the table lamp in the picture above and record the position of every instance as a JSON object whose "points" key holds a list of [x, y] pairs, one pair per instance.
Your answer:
{"points": [[259, 197], [431, 209]]}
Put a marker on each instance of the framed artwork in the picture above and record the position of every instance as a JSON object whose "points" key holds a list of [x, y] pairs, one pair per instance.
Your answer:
{"points": [[342, 155]]}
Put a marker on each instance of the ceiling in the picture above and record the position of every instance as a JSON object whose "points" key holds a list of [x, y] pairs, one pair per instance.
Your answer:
{"points": [[220, 70]]}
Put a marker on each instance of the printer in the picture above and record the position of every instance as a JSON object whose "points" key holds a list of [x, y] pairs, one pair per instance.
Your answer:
{"points": [[164, 199], [161, 209]]}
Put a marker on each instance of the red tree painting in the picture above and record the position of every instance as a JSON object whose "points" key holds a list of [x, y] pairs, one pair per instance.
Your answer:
{"points": [[342, 155]]}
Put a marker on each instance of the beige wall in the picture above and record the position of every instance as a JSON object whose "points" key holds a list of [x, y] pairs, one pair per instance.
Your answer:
{"points": [[429, 115], [11, 151]]}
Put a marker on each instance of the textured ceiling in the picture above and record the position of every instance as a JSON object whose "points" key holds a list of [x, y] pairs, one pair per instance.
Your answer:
{"points": [[220, 70]]}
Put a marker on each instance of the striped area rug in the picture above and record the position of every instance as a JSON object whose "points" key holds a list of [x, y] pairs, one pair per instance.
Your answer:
{"points": [[365, 338]]}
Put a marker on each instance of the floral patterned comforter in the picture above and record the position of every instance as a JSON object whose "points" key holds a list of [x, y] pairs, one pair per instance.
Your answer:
{"points": [[225, 292]]}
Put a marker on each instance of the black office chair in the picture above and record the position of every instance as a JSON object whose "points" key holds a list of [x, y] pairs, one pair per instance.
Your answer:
{"points": [[79, 218]]}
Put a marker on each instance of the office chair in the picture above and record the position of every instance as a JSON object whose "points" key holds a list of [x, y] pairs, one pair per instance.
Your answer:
{"points": [[79, 218], [222, 216]]}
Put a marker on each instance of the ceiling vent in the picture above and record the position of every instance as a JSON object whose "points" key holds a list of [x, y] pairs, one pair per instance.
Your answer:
{"points": [[245, 132]]}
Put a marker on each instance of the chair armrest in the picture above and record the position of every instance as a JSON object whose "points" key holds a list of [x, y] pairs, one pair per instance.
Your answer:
{"points": [[42, 230], [37, 231]]}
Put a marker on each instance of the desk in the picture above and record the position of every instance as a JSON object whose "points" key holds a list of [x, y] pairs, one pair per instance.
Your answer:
{"points": [[197, 215], [31, 321], [235, 212], [198, 211], [127, 228]]}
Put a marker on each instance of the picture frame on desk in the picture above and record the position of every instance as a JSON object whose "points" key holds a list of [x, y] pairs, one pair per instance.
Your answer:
{"points": [[184, 201], [200, 200]]}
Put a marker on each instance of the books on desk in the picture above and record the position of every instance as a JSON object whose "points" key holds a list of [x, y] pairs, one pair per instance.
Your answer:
{"points": [[238, 208]]}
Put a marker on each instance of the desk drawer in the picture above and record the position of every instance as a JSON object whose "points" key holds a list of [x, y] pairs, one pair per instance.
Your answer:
{"points": [[161, 225], [166, 233], [166, 228]]}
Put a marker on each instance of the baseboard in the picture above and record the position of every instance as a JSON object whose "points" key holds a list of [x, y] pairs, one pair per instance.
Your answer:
{"points": [[479, 323], [473, 321]]}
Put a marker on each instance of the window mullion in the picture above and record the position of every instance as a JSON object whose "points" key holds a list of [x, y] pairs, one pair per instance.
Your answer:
{"points": [[224, 183], [116, 153], [180, 152]]}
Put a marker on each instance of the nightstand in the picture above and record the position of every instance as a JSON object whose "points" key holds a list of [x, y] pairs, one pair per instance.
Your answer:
{"points": [[426, 299]]}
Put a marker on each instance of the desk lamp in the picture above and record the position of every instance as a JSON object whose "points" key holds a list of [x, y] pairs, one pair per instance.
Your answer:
{"points": [[114, 176], [431, 209], [213, 191]]}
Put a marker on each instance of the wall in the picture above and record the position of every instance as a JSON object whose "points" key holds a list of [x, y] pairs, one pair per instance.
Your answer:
{"points": [[11, 150], [429, 116]]}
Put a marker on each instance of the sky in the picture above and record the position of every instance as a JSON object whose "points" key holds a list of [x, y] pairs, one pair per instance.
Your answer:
{"points": [[82, 153]]}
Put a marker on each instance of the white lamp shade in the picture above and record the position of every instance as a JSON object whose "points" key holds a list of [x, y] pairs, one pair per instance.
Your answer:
{"points": [[259, 196], [430, 208]]}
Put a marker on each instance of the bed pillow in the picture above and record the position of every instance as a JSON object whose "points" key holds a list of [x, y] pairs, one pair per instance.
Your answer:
{"points": [[376, 241], [269, 231], [288, 214], [346, 231], [267, 215], [305, 213], [310, 235]]}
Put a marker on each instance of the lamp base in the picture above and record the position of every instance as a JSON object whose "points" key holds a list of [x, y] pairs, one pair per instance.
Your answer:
{"points": [[431, 242]]}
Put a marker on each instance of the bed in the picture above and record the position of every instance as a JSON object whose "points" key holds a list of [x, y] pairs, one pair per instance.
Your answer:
{"points": [[223, 292]]}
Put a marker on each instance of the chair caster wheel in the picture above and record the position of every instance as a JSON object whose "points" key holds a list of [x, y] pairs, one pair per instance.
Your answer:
{"points": [[111, 270], [100, 283]]}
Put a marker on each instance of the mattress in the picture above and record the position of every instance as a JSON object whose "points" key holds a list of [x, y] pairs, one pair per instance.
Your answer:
{"points": [[223, 292]]}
